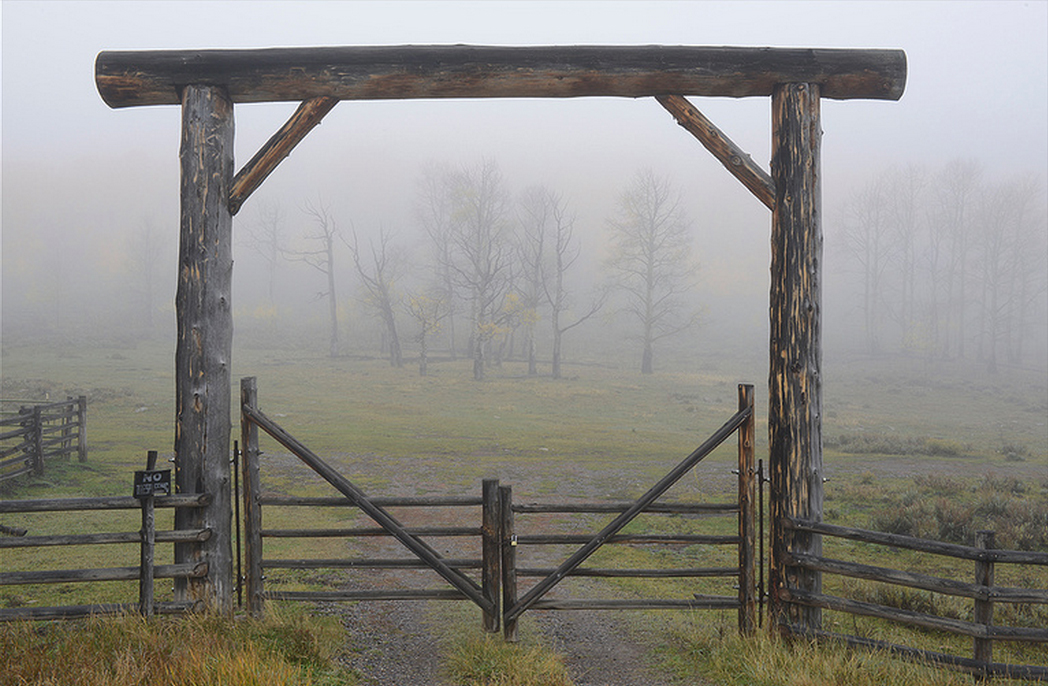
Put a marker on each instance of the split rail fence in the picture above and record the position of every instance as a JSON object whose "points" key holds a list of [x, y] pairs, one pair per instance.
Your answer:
{"points": [[39, 432], [145, 538], [983, 592]]}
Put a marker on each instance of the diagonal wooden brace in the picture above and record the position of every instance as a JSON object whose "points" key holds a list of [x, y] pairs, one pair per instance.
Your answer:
{"points": [[304, 120], [467, 586]]}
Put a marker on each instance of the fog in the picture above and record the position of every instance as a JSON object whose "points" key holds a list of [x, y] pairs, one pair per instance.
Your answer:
{"points": [[90, 195]]}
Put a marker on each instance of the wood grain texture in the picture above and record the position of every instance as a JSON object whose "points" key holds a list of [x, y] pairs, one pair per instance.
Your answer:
{"points": [[157, 77]]}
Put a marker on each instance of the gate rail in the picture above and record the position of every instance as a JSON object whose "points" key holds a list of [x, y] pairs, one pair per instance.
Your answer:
{"points": [[746, 601]]}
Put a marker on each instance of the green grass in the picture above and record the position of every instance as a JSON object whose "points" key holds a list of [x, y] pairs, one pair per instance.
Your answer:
{"points": [[909, 448]]}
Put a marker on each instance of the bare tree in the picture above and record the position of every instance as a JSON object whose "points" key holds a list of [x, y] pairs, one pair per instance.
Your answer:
{"points": [[868, 242], [379, 275], [651, 260], [434, 208], [322, 258], [536, 206], [266, 237], [565, 253], [482, 255], [428, 311]]}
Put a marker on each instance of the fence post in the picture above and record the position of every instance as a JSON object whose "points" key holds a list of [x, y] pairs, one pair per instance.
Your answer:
{"points": [[37, 442], [148, 538], [984, 608], [81, 420], [252, 508], [491, 551], [747, 493], [509, 561], [67, 430]]}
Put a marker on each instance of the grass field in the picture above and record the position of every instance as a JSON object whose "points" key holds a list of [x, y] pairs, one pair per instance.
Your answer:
{"points": [[932, 450]]}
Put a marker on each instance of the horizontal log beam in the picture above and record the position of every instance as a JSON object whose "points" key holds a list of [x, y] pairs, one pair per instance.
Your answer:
{"points": [[179, 536], [292, 501], [705, 572], [365, 563], [156, 77], [62, 576], [344, 596], [562, 539], [20, 614], [434, 531], [700, 602], [654, 508]]}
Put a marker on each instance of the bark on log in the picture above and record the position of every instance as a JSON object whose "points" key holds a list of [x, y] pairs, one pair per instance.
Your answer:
{"points": [[205, 337], [157, 77], [795, 382]]}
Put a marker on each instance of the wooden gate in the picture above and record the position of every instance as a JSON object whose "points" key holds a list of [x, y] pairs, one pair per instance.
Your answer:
{"points": [[497, 533], [745, 541], [483, 594]]}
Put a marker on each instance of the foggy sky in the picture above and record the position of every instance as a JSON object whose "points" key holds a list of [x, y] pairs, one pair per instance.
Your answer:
{"points": [[977, 88]]}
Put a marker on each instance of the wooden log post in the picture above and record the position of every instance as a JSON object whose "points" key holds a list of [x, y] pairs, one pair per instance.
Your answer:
{"points": [[146, 605], [205, 335], [795, 382], [509, 561], [983, 613], [747, 519], [81, 434], [252, 499], [491, 551], [37, 441]]}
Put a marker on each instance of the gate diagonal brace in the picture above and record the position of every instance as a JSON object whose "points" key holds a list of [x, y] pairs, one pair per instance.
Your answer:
{"points": [[424, 552], [654, 493]]}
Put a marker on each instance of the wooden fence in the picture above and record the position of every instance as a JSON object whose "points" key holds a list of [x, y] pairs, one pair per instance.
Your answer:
{"points": [[39, 432], [983, 592], [145, 538]]}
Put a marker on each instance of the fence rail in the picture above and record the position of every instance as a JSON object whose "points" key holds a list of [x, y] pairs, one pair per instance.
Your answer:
{"points": [[39, 432], [983, 592], [145, 572]]}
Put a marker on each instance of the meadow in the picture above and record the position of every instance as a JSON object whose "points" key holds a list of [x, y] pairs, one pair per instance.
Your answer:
{"points": [[937, 450]]}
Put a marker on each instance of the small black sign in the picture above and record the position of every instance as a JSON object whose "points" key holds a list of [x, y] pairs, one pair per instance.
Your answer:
{"points": [[156, 482]]}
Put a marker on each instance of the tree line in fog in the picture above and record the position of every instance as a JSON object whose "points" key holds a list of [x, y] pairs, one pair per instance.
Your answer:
{"points": [[948, 264]]}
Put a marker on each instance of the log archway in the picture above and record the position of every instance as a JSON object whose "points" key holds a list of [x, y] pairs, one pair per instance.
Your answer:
{"points": [[207, 84]]}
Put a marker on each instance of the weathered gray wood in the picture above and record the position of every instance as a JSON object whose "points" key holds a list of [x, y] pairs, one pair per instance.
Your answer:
{"points": [[21, 614], [924, 545], [698, 603], [60, 576], [509, 562], [304, 120], [181, 536], [190, 500], [148, 545], [429, 531], [983, 611], [921, 581], [203, 350], [253, 580], [966, 664], [348, 596], [734, 159], [491, 552], [660, 508], [955, 626], [366, 563], [81, 434], [294, 501], [611, 530], [417, 546], [795, 379], [697, 572], [558, 539], [155, 77], [747, 516]]}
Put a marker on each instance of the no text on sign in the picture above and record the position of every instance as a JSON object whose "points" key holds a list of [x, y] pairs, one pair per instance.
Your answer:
{"points": [[154, 482]]}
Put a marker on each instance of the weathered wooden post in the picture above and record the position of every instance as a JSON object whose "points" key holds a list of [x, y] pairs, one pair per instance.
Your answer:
{"points": [[747, 519], [81, 421], [205, 337], [146, 606], [509, 561], [252, 492], [795, 383], [983, 613], [491, 545]]}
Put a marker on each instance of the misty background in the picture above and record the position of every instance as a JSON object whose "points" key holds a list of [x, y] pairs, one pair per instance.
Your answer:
{"points": [[936, 237]]}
